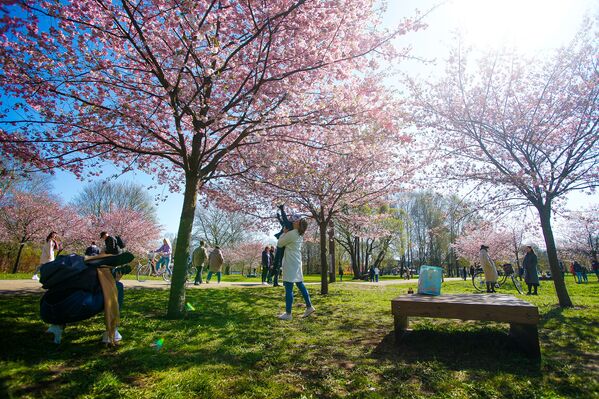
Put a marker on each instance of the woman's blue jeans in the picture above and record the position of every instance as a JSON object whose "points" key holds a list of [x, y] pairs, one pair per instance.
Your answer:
{"points": [[289, 295], [164, 261], [218, 275]]}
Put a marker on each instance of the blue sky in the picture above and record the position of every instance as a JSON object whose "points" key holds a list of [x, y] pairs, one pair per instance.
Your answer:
{"points": [[532, 25]]}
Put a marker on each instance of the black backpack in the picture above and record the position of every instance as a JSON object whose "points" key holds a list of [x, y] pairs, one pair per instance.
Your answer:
{"points": [[120, 242], [63, 269]]}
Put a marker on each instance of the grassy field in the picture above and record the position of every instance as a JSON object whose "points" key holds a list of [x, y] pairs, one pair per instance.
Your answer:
{"points": [[311, 278], [232, 346]]}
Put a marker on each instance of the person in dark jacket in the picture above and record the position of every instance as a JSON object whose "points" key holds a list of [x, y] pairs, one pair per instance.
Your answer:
{"points": [[265, 264], [531, 276], [92, 250], [110, 244]]}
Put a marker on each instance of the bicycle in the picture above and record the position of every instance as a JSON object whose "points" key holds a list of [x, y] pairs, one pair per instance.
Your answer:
{"points": [[167, 274], [479, 282], [144, 271]]}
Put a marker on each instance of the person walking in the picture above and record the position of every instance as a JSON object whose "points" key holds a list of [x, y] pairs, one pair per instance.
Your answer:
{"points": [[377, 271], [49, 251], [371, 274], [215, 262], [584, 273], [489, 268], [595, 267], [265, 264], [340, 273], [531, 275], [577, 271], [198, 259], [292, 241], [464, 273]]}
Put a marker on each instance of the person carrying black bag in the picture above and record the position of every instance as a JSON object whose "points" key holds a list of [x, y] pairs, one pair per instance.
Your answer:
{"points": [[79, 288]]}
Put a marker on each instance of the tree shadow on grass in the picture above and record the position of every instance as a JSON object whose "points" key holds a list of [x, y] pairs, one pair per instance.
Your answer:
{"points": [[572, 330], [214, 336]]}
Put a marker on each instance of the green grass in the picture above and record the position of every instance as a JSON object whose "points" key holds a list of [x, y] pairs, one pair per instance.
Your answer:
{"points": [[232, 346]]}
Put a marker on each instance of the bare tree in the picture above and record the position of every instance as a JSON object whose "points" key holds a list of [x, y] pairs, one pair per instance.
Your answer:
{"points": [[100, 198]]}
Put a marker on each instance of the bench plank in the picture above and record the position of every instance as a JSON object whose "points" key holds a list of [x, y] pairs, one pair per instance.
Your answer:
{"points": [[522, 316], [500, 308]]}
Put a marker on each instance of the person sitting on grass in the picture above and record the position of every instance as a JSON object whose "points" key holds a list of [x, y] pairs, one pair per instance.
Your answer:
{"points": [[292, 241]]}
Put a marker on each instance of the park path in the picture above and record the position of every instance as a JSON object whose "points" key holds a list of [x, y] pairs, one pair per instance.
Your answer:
{"points": [[8, 287]]}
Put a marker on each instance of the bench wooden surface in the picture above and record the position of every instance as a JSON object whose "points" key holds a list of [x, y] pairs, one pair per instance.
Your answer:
{"points": [[522, 316]]}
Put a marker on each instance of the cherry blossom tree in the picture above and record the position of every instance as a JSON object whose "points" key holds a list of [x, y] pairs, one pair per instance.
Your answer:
{"points": [[499, 240], [525, 129], [342, 166], [27, 217], [138, 229], [245, 254], [581, 233], [177, 88]]}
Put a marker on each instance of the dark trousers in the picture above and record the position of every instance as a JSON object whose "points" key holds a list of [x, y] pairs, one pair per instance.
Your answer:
{"points": [[274, 276], [79, 305], [198, 278], [277, 265], [264, 273]]}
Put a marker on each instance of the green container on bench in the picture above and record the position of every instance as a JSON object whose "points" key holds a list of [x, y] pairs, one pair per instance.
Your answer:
{"points": [[429, 280]]}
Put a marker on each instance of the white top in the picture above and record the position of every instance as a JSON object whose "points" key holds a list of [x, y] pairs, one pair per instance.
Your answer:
{"points": [[47, 252], [376, 270], [292, 259]]}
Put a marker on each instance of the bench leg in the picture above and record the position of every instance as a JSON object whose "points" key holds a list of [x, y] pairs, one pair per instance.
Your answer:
{"points": [[527, 337], [401, 325]]}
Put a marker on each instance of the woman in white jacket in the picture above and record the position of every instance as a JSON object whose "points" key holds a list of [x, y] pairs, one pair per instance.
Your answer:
{"points": [[292, 241], [49, 251]]}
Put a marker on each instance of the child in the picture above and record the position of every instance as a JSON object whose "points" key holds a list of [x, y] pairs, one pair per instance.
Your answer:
{"points": [[285, 224]]}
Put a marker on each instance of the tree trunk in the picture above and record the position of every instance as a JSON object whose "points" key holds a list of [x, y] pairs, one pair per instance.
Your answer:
{"points": [[332, 278], [359, 263], [556, 272], [324, 270], [16, 265], [176, 302]]}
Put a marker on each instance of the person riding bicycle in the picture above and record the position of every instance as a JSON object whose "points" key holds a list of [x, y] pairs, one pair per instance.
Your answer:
{"points": [[165, 259]]}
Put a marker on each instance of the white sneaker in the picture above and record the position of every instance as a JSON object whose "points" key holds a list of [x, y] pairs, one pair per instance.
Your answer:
{"points": [[35, 277], [57, 331], [285, 316], [117, 337], [309, 311]]}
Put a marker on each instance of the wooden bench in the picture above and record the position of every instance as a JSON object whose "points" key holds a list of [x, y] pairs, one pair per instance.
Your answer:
{"points": [[522, 316]]}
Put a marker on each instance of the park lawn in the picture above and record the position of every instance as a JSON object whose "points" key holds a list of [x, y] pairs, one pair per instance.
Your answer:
{"points": [[311, 278], [232, 346]]}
